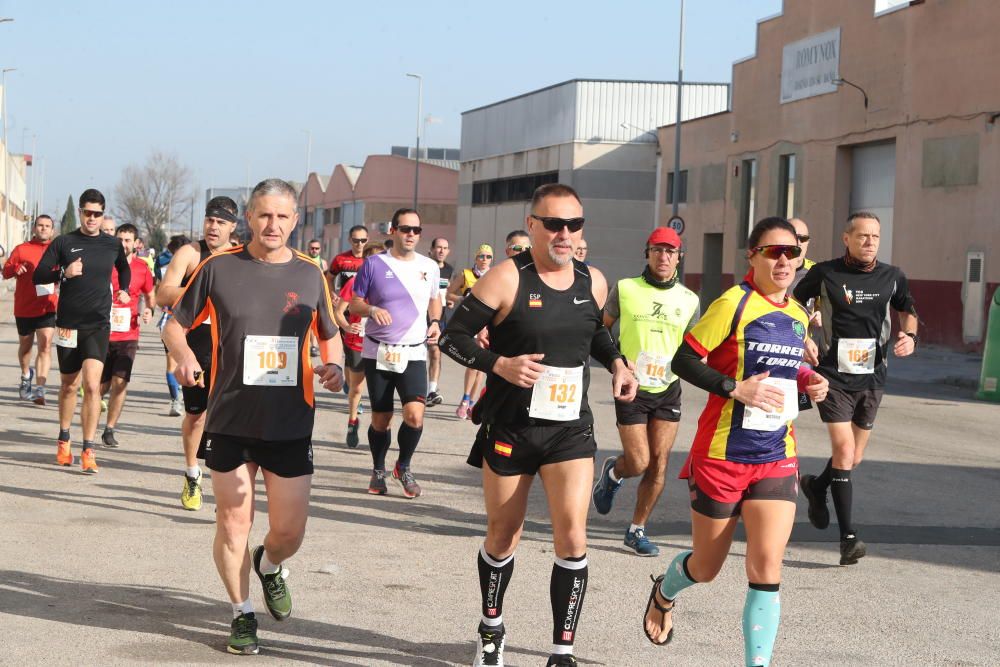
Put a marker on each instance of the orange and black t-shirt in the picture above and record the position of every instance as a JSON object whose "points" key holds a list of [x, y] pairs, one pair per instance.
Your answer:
{"points": [[260, 316]]}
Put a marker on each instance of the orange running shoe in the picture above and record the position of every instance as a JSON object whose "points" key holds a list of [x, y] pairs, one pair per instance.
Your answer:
{"points": [[64, 456], [88, 462]]}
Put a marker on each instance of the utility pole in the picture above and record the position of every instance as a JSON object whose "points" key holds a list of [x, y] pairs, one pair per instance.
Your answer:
{"points": [[420, 114], [677, 120], [6, 153]]}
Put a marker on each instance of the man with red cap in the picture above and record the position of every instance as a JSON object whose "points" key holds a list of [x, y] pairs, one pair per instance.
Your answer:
{"points": [[654, 312]]}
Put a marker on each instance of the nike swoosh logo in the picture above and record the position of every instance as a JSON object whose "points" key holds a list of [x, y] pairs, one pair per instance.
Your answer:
{"points": [[578, 301], [75, 249]]}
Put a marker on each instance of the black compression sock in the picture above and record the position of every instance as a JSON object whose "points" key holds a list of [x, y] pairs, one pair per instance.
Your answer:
{"points": [[408, 439], [842, 492], [64, 434], [567, 588], [823, 479], [494, 576], [378, 442]]}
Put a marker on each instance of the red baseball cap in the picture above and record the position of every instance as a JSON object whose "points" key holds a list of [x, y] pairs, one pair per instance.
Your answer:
{"points": [[664, 235]]}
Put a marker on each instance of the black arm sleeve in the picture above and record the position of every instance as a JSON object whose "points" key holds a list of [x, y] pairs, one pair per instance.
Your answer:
{"points": [[124, 271], [687, 365], [458, 340], [808, 287], [603, 348], [48, 264]]}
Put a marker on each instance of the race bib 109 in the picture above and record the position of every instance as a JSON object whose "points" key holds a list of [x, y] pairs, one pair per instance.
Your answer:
{"points": [[271, 361]]}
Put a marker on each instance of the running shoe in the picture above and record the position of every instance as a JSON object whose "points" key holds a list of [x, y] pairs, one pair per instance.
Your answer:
{"points": [[88, 462], [637, 541], [277, 597], [313, 351], [851, 550], [434, 398], [561, 660], [24, 389], [605, 489], [405, 477], [352, 435], [489, 647], [463, 409], [104, 405], [361, 409], [38, 396], [243, 636], [108, 438], [176, 407], [191, 493], [64, 455], [376, 485], [819, 513]]}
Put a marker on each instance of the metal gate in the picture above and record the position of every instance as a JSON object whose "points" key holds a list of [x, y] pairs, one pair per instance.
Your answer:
{"points": [[873, 187]]}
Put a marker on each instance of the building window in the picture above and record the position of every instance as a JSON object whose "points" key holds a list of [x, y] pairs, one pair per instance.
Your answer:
{"points": [[786, 186], [683, 196], [502, 190], [748, 198]]}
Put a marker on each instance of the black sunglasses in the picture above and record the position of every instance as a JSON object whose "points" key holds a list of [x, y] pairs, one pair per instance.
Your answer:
{"points": [[314, 247], [408, 229], [354, 240], [87, 213], [803, 238], [776, 251], [555, 225]]}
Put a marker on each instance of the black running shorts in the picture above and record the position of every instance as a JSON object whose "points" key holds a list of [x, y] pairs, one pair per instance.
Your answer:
{"points": [[285, 458], [523, 450], [26, 326], [118, 363], [353, 360], [410, 385], [90, 344], [858, 407], [196, 398], [665, 406]]}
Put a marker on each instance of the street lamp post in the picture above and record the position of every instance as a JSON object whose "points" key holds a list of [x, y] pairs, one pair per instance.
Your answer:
{"points": [[677, 120], [420, 114], [6, 150], [305, 189]]}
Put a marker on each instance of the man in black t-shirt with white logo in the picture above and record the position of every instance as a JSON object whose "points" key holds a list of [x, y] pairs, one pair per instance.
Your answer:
{"points": [[439, 252], [855, 294]]}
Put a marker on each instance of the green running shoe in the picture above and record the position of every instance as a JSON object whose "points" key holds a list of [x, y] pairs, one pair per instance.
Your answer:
{"points": [[277, 597], [243, 636]]}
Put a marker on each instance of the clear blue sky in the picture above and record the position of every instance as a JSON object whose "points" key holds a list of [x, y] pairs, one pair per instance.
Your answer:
{"points": [[224, 84]]}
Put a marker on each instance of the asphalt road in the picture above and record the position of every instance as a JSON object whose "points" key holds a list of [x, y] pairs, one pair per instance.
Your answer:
{"points": [[109, 569]]}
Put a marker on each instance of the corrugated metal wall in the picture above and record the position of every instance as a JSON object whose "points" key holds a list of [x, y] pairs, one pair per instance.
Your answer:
{"points": [[584, 111]]}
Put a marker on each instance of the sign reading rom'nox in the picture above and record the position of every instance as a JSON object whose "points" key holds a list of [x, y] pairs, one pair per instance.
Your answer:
{"points": [[809, 66]]}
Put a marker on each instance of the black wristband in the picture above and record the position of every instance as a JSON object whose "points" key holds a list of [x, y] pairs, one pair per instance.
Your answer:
{"points": [[434, 321], [912, 335]]}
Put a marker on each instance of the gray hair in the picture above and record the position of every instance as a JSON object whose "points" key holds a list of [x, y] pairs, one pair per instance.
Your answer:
{"points": [[859, 215], [272, 187]]}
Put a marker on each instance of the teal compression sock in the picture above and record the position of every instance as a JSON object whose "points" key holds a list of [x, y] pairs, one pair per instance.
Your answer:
{"points": [[677, 577], [761, 616]]}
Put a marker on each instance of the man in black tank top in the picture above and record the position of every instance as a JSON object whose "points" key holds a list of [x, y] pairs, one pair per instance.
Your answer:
{"points": [[543, 310], [219, 225]]}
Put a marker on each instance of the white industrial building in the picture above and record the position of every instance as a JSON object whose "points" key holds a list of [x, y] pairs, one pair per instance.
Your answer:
{"points": [[598, 136]]}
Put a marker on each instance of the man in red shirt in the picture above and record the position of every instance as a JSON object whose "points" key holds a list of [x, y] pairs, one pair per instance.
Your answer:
{"points": [[345, 265], [125, 331], [34, 309]]}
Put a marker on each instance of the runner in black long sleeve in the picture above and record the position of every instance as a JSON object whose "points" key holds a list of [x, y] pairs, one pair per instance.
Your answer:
{"points": [[86, 257]]}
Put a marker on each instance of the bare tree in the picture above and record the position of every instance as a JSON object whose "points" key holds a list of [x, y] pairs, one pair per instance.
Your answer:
{"points": [[153, 195]]}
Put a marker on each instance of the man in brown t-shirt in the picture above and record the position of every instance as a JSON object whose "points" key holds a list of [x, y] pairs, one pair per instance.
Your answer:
{"points": [[263, 301]]}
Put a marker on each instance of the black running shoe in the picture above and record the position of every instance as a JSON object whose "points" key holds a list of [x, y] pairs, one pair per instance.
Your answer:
{"points": [[819, 513], [108, 438], [434, 398], [561, 660], [243, 637], [352, 436], [851, 550], [489, 649]]}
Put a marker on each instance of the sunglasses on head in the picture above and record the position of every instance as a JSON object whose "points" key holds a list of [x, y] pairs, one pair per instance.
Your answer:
{"points": [[803, 238], [354, 240], [776, 251], [408, 229], [87, 213], [556, 224]]}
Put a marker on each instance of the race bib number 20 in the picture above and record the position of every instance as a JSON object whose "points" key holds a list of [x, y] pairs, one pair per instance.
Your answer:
{"points": [[271, 361]]}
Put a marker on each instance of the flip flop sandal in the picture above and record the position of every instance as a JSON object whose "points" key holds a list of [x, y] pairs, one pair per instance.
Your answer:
{"points": [[663, 611]]}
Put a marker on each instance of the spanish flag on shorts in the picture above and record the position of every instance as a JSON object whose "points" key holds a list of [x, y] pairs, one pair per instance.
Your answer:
{"points": [[502, 448]]}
